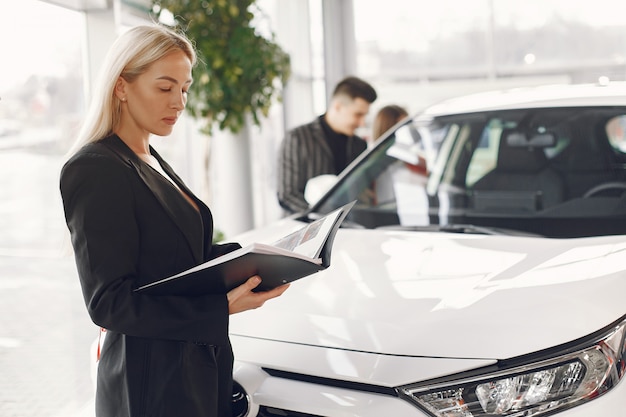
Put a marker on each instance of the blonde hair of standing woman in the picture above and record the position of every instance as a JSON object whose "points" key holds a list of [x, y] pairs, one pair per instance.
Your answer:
{"points": [[130, 56]]}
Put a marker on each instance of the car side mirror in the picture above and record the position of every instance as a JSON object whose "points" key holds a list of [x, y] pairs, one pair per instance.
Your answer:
{"points": [[407, 146], [316, 187]]}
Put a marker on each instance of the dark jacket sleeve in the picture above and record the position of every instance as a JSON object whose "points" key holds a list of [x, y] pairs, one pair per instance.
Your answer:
{"points": [[99, 203], [292, 176]]}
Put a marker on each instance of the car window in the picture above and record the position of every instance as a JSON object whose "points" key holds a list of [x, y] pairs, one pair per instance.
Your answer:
{"points": [[390, 184], [555, 172]]}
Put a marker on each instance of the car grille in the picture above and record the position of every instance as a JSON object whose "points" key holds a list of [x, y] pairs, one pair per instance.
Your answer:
{"points": [[357, 386], [240, 397], [276, 412]]}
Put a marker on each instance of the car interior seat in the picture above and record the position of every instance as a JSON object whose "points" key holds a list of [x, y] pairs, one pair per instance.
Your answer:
{"points": [[522, 179], [586, 161]]}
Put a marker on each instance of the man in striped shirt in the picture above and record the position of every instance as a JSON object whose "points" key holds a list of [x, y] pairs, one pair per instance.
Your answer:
{"points": [[326, 145]]}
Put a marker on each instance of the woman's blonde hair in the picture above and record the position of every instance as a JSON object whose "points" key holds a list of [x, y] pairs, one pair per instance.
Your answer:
{"points": [[130, 56]]}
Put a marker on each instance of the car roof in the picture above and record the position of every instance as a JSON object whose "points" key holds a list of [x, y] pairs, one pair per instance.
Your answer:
{"points": [[547, 96]]}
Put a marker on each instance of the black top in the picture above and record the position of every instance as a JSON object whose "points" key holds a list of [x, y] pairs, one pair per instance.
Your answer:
{"points": [[338, 143]]}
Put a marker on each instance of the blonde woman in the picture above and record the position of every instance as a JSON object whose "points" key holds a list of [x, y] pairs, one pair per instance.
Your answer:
{"points": [[133, 221]]}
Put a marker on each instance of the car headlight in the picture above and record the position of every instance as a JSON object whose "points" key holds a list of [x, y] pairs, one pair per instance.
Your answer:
{"points": [[573, 376]]}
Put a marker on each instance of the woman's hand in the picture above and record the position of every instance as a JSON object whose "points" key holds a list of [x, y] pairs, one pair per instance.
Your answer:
{"points": [[242, 298]]}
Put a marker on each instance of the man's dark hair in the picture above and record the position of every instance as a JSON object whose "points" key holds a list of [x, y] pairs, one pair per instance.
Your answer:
{"points": [[354, 87]]}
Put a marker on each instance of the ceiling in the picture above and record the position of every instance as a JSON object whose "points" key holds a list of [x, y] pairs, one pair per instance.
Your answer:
{"points": [[82, 5], [91, 5]]}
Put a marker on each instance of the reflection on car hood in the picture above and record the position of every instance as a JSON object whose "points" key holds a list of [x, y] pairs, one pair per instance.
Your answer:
{"points": [[445, 295]]}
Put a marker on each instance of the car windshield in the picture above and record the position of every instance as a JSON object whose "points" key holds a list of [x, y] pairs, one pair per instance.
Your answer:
{"points": [[555, 172]]}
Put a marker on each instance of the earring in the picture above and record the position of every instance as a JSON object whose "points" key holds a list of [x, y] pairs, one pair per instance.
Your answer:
{"points": [[124, 99]]}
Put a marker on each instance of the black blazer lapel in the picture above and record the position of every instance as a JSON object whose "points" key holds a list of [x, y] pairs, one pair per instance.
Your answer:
{"points": [[205, 213], [180, 211]]}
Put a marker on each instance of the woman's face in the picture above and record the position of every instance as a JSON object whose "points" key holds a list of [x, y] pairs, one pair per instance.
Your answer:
{"points": [[152, 103]]}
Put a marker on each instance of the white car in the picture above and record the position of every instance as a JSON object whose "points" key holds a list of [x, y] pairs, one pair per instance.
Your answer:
{"points": [[495, 285]]}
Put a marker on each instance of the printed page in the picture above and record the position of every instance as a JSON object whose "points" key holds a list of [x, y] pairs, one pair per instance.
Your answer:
{"points": [[309, 240]]}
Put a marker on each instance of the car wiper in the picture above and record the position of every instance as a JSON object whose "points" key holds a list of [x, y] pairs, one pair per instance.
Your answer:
{"points": [[461, 228], [470, 229], [345, 224]]}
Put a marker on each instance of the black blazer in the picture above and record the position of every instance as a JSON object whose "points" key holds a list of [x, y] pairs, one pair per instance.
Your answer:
{"points": [[130, 226]]}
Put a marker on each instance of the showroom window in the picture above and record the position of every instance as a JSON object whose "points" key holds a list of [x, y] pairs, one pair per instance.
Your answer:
{"points": [[45, 333], [418, 55]]}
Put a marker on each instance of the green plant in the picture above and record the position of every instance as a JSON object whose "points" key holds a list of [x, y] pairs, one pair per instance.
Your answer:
{"points": [[239, 71], [218, 236]]}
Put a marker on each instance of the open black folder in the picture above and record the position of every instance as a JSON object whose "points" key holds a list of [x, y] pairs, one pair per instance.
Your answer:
{"points": [[297, 255]]}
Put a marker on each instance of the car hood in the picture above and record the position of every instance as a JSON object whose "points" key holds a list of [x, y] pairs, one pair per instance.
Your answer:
{"points": [[439, 295]]}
